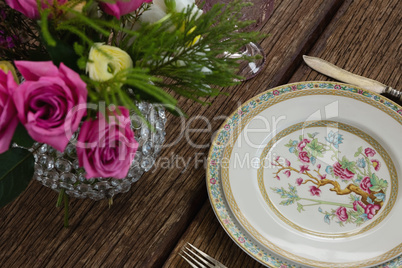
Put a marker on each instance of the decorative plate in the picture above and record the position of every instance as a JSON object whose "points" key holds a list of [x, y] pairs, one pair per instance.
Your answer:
{"points": [[306, 174]]}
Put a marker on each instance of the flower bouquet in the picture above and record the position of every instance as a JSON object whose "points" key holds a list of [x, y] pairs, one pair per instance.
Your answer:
{"points": [[79, 78]]}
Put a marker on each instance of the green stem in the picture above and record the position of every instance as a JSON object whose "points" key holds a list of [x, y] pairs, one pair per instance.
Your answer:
{"points": [[321, 202], [368, 163], [60, 198], [360, 171], [66, 210]]}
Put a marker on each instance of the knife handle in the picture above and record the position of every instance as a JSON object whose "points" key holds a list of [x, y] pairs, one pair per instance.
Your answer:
{"points": [[394, 93]]}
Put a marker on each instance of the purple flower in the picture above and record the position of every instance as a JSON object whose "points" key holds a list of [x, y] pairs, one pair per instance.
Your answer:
{"points": [[315, 191], [106, 148], [51, 102], [30, 8], [365, 184], [122, 7], [369, 152], [8, 113], [304, 168], [343, 173], [342, 214], [376, 164], [371, 210], [302, 144], [303, 156]]}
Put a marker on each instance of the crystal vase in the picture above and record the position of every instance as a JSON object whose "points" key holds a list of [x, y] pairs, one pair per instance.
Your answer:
{"points": [[59, 171]]}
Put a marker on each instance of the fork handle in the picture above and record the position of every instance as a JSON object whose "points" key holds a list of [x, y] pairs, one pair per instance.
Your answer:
{"points": [[394, 93]]}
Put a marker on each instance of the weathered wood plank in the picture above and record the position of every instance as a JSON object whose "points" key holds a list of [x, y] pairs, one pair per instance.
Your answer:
{"points": [[144, 225], [365, 38]]}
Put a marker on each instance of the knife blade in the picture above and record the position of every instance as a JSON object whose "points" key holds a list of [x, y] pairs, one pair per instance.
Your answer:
{"points": [[337, 73]]}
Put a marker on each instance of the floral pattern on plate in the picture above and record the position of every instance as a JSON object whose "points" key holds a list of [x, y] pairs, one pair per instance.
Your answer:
{"points": [[355, 178]]}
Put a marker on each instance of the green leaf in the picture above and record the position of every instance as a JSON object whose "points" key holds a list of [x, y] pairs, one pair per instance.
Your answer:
{"points": [[300, 207], [359, 151], [383, 183], [375, 188], [22, 138], [360, 210], [16, 170], [374, 180]]}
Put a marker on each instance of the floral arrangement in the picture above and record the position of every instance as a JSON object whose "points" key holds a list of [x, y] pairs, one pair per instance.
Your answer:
{"points": [[63, 60], [366, 191]]}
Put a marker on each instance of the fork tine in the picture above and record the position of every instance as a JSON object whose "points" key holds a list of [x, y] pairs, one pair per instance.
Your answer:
{"points": [[188, 261], [206, 256], [204, 263]]}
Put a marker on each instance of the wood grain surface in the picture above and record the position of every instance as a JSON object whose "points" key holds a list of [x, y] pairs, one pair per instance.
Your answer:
{"points": [[168, 207]]}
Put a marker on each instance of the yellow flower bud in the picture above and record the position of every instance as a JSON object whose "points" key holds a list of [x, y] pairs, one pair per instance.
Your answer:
{"points": [[105, 61], [6, 66], [78, 7]]}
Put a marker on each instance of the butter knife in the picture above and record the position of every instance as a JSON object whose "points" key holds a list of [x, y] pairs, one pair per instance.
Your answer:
{"points": [[337, 73]]}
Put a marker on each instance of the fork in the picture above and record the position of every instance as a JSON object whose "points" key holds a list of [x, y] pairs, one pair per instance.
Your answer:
{"points": [[198, 259]]}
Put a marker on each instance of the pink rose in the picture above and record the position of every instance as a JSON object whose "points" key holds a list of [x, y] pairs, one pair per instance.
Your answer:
{"points": [[343, 173], [371, 210], [8, 113], [299, 181], [315, 191], [369, 152], [342, 214], [122, 7], [303, 156], [51, 102], [365, 184], [107, 149], [30, 8], [302, 144]]}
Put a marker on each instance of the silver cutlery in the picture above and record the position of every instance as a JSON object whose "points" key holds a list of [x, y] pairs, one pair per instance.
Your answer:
{"points": [[333, 71], [198, 259]]}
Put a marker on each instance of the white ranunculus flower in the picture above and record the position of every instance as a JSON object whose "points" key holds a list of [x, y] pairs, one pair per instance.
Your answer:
{"points": [[158, 10], [105, 61]]}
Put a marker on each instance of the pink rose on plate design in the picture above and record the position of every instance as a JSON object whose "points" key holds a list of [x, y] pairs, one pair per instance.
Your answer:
{"points": [[107, 148], [303, 156], [342, 214], [365, 184], [342, 173], [369, 152], [371, 210], [51, 102], [299, 181], [302, 144], [122, 7], [8, 113], [287, 173], [315, 191]]}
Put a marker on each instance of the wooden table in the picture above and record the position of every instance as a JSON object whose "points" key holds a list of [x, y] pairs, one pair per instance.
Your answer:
{"points": [[169, 206]]}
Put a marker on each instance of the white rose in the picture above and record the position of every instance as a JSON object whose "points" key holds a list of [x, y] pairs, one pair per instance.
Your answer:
{"points": [[105, 61]]}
